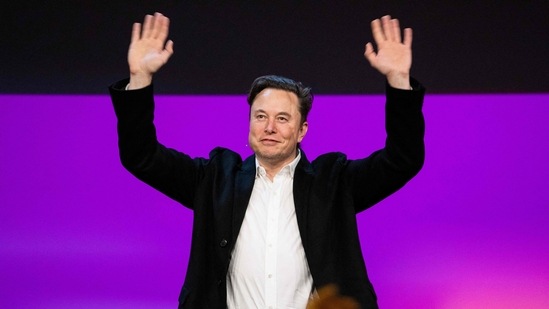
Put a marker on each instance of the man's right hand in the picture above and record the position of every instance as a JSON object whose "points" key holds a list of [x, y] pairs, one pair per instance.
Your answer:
{"points": [[149, 50]]}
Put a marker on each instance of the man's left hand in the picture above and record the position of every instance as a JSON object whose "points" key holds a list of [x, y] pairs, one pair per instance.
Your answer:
{"points": [[394, 55]]}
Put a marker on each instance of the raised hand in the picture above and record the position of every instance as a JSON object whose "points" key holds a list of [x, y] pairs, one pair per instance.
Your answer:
{"points": [[149, 50], [394, 55]]}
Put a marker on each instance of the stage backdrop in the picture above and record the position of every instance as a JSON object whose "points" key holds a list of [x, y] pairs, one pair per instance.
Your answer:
{"points": [[78, 231]]}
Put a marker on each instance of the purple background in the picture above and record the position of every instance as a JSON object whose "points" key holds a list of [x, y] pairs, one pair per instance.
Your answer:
{"points": [[78, 231]]}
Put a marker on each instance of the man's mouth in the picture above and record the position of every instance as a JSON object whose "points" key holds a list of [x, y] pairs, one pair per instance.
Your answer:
{"points": [[268, 141]]}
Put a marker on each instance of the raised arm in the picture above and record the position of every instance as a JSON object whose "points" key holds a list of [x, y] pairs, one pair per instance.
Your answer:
{"points": [[167, 170], [149, 50], [388, 169], [394, 55]]}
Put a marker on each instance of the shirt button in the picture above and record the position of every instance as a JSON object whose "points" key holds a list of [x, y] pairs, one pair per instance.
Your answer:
{"points": [[223, 243]]}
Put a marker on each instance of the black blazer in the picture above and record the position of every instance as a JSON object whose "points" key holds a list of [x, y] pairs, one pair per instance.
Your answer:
{"points": [[328, 193]]}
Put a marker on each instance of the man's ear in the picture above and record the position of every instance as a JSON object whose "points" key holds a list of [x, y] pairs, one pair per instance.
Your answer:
{"points": [[303, 131]]}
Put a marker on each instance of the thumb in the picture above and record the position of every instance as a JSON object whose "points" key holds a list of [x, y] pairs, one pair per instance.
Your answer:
{"points": [[168, 50], [370, 54]]}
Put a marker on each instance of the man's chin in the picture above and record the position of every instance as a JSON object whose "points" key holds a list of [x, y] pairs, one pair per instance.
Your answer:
{"points": [[269, 156], [263, 155], [273, 157]]}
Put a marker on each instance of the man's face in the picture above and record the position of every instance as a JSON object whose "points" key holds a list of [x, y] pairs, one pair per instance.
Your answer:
{"points": [[275, 126]]}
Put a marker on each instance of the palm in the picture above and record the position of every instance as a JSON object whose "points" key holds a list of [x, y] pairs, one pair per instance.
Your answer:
{"points": [[146, 56], [392, 57]]}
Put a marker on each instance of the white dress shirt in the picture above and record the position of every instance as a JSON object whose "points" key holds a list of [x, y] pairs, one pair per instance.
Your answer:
{"points": [[268, 268]]}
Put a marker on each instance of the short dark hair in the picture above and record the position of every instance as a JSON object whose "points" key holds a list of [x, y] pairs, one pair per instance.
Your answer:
{"points": [[304, 94]]}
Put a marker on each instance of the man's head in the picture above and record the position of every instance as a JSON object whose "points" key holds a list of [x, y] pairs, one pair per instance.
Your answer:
{"points": [[278, 118]]}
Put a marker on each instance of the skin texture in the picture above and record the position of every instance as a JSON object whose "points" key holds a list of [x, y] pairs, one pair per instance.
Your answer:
{"points": [[275, 128]]}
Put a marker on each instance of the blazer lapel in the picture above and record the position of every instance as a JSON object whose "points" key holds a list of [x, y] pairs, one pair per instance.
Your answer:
{"points": [[303, 178], [244, 184]]}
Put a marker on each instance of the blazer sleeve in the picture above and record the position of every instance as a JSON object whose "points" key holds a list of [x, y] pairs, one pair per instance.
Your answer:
{"points": [[173, 173], [385, 171]]}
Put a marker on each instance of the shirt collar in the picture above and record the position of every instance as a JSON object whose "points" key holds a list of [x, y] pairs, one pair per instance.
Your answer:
{"points": [[290, 168]]}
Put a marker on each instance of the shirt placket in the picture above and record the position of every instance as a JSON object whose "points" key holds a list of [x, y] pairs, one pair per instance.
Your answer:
{"points": [[272, 243]]}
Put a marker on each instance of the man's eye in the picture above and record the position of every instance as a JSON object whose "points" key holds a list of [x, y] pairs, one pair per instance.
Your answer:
{"points": [[283, 119], [260, 117]]}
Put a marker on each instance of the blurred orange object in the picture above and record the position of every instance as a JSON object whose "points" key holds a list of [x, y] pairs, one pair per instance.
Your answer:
{"points": [[329, 298]]}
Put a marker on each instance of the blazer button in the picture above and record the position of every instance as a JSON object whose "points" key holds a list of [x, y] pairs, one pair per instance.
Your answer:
{"points": [[223, 243]]}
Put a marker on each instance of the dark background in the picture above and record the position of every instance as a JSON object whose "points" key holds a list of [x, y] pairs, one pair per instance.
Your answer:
{"points": [[221, 46]]}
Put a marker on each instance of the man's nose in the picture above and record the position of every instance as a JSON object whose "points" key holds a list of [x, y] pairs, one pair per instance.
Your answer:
{"points": [[270, 127]]}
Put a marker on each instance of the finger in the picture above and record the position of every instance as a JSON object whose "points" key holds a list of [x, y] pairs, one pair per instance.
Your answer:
{"points": [[386, 25], [395, 28], [167, 52], [377, 32], [146, 28], [169, 48], [164, 29], [369, 53], [408, 35], [157, 25], [136, 32]]}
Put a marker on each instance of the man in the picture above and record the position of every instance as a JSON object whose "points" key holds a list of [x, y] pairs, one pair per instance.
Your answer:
{"points": [[272, 229]]}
